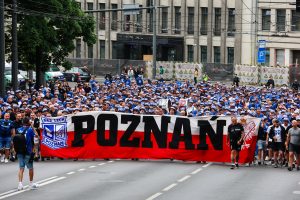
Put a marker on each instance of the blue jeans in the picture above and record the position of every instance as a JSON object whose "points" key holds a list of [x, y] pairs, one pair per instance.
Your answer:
{"points": [[24, 160], [5, 142]]}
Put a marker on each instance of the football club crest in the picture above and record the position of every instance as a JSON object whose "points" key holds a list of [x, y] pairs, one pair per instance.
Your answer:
{"points": [[55, 132]]}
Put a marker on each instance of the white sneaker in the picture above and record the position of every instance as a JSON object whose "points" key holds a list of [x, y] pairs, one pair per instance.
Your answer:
{"points": [[2, 158], [20, 186], [5, 160], [34, 186]]}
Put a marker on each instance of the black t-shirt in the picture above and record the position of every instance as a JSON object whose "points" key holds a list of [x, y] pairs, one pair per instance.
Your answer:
{"points": [[262, 134], [18, 124], [235, 131]]}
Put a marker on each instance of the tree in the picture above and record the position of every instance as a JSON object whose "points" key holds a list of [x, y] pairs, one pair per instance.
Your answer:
{"points": [[47, 30]]}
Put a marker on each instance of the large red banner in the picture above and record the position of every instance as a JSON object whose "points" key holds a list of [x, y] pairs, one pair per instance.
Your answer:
{"points": [[93, 135]]}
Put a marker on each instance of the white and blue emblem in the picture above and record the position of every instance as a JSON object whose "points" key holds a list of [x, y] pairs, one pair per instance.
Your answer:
{"points": [[55, 132]]}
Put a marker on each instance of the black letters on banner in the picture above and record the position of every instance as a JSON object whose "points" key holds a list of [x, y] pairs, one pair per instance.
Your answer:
{"points": [[125, 139], [187, 134], [160, 136], [215, 138], [113, 129], [79, 130]]}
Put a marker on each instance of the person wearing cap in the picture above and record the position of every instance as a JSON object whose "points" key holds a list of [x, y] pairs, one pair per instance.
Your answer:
{"points": [[27, 158], [277, 135]]}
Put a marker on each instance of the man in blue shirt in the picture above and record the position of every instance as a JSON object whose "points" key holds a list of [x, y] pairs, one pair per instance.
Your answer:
{"points": [[6, 131], [27, 158]]}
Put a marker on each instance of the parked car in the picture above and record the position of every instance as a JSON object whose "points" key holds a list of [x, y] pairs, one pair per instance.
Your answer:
{"points": [[54, 73], [8, 78], [78, 74]]}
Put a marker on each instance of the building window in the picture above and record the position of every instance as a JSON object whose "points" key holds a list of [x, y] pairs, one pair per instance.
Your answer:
{"points": [[295, 21], [280, 20], [217, 30], [164, 20], [102, 17], [280, 57], [114, 50], [190, 20], [78, 48], [203, 54], [177, 20], [231, 22], [230, 55], [266, 19], [190, 53], [267, 63], [90, 51], [127, 23], [150, 26], [90, 6], [114, 17], [102, 49], [204, 15], [139, 23], [217, 55]]}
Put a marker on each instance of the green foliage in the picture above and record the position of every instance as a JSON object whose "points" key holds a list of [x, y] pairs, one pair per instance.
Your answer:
{"points": [[47, 29]]}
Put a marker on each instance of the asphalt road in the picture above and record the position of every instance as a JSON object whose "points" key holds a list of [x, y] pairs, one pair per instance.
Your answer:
{"points": [[146, 180]]}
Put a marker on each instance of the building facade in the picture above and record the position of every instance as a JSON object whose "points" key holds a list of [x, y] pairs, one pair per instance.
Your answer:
{"points": [[207, 31]]}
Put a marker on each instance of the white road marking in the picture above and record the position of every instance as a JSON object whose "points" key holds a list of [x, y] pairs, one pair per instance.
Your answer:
{"points": [[184, 178], [169, 187], [52, 181], [92, 166], [154, 196], [69, 173], [206, 165], [80, 170], [196, 171], [296, 192], [101, 164], [26, 188], [110, 161]]}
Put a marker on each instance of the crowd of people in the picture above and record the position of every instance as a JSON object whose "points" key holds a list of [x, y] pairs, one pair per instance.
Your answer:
{"points": [[130, 93]]}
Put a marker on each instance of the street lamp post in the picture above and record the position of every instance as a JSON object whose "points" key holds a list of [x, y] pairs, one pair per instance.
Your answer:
{"points": [[2, 50]]}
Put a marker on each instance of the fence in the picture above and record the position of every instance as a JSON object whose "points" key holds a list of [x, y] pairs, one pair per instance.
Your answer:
{"points": [[100, 67]]}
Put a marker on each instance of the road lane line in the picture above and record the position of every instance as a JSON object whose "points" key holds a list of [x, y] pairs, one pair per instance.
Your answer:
{"points": [[196, 171], [101, 164], [52, 181], [169, 187], [206, 165], [92, 166], [110, 161], [184, 178], [154, 196], [80, 170], [69, 173], [26, 188], [296, 192]]}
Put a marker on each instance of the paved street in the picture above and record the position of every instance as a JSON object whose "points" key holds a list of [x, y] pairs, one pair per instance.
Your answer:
{"points": [[145, 180]]}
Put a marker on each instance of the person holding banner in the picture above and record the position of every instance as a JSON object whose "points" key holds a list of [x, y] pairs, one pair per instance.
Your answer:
{"points": [[235, 137]]}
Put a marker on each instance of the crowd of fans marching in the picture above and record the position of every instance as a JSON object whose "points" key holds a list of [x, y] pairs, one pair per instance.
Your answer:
{"points": [[133, 94]]}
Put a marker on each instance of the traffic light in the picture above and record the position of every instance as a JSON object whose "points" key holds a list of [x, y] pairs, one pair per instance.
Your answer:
{"points": [[297, 5]]}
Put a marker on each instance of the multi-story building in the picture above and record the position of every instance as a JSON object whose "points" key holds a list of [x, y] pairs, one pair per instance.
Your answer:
{"points": [[279, 25], [207, 31]]}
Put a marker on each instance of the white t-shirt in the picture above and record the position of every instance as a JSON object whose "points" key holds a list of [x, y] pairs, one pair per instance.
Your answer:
{"points": [[277, 134]]}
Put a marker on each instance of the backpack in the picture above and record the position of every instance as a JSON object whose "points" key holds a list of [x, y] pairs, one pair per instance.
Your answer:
{"points": [[19, 142]]}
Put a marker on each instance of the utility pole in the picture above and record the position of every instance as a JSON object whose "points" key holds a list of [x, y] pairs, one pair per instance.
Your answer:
{"points": [[154, 38], [14, 73], [2, 50]]}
